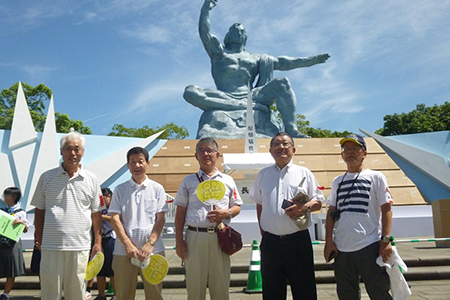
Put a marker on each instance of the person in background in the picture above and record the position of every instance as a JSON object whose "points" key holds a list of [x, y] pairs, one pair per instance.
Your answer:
{"points": [[138, 214], [286, 250], [11, 253], [35, 264], [108, 241], [68, 203], [206, 264], [358, 225]]}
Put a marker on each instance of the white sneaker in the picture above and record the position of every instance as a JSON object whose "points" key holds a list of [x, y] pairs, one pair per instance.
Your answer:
{"points": [[88, 295]]}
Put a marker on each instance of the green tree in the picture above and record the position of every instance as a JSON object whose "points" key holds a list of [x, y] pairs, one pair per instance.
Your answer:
{"points": [[421, 119], [304, 127], [172, 131], [36, 96], [64, 124]]}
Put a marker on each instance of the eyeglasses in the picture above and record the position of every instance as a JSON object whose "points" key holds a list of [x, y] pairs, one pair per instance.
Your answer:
{"points": [[279, 144], [206, 151], [351, 149], [74, 149]]}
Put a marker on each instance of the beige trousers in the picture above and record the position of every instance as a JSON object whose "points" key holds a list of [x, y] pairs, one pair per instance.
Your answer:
{"points": [[125, 276], [63, 270], [206, 265]]}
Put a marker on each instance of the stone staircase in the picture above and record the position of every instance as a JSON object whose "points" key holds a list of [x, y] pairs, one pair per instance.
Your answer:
{"points": [[433, 268]]}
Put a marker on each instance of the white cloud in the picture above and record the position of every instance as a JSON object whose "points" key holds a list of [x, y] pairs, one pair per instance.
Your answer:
{"points": [[38, 70], [95, 118], [123, 7], [89, 15], [150, 34], [380, 50]]}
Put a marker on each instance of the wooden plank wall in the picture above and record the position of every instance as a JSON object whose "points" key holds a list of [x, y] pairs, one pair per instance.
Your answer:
{"points": [[176, 159]]}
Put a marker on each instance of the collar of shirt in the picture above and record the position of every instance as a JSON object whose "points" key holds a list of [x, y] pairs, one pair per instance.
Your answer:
{"points": [[135, 185], [286, 168], [217, 173], [80, 171], [13, 208]]}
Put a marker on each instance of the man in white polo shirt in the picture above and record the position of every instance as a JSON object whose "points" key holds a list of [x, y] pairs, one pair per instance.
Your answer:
{"points": [[137, 209], [68, 203], [206, 264]]}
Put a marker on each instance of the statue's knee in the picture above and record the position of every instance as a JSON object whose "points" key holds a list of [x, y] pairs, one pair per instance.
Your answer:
{"points": [[283, 81]]}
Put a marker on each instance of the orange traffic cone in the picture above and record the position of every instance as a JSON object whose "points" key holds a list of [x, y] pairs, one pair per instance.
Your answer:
{"points": [[254, 281]]}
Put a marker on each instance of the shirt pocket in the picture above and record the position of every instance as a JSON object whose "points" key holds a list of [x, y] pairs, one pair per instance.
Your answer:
{"points": [[294, 190]]}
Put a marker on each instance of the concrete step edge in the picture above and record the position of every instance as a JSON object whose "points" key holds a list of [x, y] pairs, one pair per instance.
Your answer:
{"points": [[411, 263], [240, 279]]}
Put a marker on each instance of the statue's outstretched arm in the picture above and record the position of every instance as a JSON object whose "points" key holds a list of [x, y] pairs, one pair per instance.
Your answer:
{"points": [[284, 63], [210, 42]]}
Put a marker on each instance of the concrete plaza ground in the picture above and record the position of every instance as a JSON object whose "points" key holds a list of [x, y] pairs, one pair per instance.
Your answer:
{"points": [[432, 290]]}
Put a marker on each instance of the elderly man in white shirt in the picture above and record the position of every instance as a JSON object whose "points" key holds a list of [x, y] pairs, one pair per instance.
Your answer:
{"points": [[68, 203], [206, 264], [138, 207], [286, 251]]}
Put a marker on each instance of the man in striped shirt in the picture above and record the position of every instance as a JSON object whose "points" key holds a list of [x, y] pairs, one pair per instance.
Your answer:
{"points": [[68, 203], [360, 217]]}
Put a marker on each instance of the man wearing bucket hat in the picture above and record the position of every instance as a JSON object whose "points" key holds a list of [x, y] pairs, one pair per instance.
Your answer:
{"points": [[358, 225]]}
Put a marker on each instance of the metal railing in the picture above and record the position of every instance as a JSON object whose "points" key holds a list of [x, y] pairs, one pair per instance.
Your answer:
{"points": [[172, 207]]}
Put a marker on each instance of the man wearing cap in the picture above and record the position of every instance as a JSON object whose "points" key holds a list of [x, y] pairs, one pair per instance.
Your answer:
{"points": [[286, 250], [360, 215], [206, 264]]}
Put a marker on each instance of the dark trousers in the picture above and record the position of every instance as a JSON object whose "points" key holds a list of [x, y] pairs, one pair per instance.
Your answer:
{"points": [[349, 266], [288, 259]]}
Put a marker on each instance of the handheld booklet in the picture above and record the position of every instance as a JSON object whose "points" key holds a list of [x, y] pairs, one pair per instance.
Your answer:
{"points": [[94, 266], [7, 229]]}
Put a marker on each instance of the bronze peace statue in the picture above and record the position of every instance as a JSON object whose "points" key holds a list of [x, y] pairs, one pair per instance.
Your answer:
{"points": [[233, 69]]}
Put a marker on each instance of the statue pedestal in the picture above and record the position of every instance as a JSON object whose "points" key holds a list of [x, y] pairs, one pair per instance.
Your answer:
{"points": [[231, 124], [441, 221]]}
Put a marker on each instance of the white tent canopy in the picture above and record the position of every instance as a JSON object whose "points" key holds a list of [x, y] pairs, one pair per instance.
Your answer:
{"points": [[246, 161]]}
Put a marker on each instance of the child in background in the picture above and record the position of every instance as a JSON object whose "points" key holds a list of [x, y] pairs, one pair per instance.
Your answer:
{"points": [[12, 263], [108, 240]]}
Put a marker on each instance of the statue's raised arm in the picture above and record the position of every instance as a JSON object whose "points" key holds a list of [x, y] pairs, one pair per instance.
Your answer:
{"points": [[210, 42], [285, 63]]}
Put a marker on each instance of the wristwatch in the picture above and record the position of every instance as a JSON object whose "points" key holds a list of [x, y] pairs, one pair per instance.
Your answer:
{"points": [[386, 238], [152, 242]]}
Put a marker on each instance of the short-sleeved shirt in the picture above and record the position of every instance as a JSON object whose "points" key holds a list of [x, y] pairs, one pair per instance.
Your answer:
{"points": [[138, 206], [107, 229], [359, 224], [197, 210], [273, 185], [69, 203], [17, 212]]}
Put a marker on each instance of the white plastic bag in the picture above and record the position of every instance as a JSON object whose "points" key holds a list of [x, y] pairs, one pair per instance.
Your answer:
{"points": [[395, 267]]}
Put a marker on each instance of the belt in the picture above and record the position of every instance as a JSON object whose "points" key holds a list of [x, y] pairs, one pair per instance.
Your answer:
{"points": [[286, 236], [202, 229]]}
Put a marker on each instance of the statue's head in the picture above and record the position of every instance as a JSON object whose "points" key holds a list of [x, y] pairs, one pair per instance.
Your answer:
{"points": [[236, 35]]}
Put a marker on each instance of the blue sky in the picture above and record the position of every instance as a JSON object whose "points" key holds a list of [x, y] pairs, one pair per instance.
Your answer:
{"points": [[128, 61]]}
